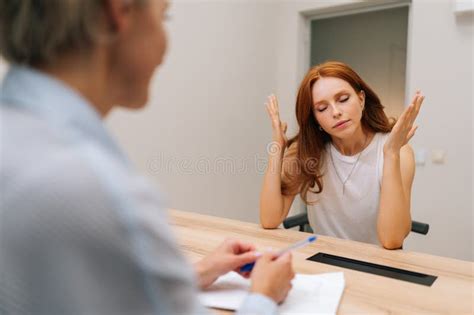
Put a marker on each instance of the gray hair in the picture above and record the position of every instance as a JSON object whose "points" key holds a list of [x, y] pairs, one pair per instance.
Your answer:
{"points": [[35, 32]]}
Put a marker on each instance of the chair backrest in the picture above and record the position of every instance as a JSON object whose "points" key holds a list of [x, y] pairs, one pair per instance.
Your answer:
{"points": [[301, 220]]}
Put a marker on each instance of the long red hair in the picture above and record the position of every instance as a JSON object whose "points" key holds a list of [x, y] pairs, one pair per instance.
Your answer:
{"points": [[309, 144]]}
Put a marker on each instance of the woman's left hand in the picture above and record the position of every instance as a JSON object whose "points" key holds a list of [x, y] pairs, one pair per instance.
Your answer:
{"points": [[404, 129]]}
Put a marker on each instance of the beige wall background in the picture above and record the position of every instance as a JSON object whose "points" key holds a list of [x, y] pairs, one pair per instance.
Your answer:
{"points": [[202, 138], [205, 130], [440, 62]]}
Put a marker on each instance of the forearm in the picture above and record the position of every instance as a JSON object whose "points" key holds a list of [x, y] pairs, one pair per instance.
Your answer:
{"points": [[394, 219], [271, 198]]}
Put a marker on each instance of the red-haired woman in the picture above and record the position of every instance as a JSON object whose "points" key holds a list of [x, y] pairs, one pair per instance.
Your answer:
{"points": [[350, 164]]}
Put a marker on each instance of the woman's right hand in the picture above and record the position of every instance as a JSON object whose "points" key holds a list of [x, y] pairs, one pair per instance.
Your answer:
{"points": [[271, 276], [278, 128]]}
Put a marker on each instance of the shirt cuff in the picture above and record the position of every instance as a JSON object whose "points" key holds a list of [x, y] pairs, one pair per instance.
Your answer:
{"points": [[258, 304]]}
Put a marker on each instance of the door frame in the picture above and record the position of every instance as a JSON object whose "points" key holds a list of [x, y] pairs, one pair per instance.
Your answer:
{"points": [[337, 10]]}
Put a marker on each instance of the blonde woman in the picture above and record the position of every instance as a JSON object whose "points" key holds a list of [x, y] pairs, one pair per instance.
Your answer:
{"points": [[81, 231]]}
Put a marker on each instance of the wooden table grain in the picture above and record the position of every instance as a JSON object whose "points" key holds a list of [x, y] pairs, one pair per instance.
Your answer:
{"points": [[451, 293]]}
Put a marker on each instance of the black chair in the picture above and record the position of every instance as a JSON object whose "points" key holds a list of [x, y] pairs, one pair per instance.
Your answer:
{"points": [[301, 220]]}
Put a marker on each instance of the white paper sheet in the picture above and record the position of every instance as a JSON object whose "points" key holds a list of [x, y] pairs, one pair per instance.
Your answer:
{"points": [[311, 294]]}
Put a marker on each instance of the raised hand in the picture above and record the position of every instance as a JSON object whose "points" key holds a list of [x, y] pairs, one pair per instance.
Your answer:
{"points": [[278, 128], [404, 129]]}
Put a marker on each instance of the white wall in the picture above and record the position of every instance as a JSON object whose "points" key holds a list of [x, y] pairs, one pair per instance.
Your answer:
{"points": [[207, 106], [441, 64], [440, 51]]}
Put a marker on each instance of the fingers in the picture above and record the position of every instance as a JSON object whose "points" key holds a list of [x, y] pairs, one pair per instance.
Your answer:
{"points": [[272, 109], [404, 118], [272, 275], [415, 97], [271, 112], [408, 117], [268, 256], [283, 263], [285, 258], [272, 105], [411, 129], [245, 247], [267, 108], [420, 99], [275, 101], [409, 110], [239, 247], [286, 261], [243, 259], [416, 105], [237, 253], [411, 133]]}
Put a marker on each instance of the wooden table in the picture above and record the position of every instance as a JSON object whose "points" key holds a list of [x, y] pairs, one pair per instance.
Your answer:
{"points": [[452, 292]]}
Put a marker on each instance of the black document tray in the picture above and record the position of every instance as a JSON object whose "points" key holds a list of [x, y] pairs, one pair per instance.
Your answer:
{"points": [[375, 269]]}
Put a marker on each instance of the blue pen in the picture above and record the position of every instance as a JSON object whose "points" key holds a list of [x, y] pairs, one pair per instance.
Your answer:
{"points": [[249, 266]]}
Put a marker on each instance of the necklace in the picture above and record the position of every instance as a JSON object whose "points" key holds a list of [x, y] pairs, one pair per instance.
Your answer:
{"points": [[353, 167]]}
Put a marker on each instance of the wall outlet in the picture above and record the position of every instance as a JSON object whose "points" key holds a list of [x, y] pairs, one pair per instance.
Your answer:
{"points": [[420, 157], [438, 156]]}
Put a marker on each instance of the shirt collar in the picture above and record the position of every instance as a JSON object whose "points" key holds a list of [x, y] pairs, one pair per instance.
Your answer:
{"points": [[57, 103]]}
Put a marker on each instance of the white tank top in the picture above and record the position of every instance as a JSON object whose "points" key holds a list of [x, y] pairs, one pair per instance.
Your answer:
{"points": [[352, 215]]}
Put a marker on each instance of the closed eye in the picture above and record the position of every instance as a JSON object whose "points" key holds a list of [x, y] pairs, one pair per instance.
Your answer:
{"points": [[321, 109], [344, 99]]}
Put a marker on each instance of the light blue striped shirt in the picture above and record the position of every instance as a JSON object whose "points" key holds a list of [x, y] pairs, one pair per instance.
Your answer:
{"points": [[80, 231]]}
